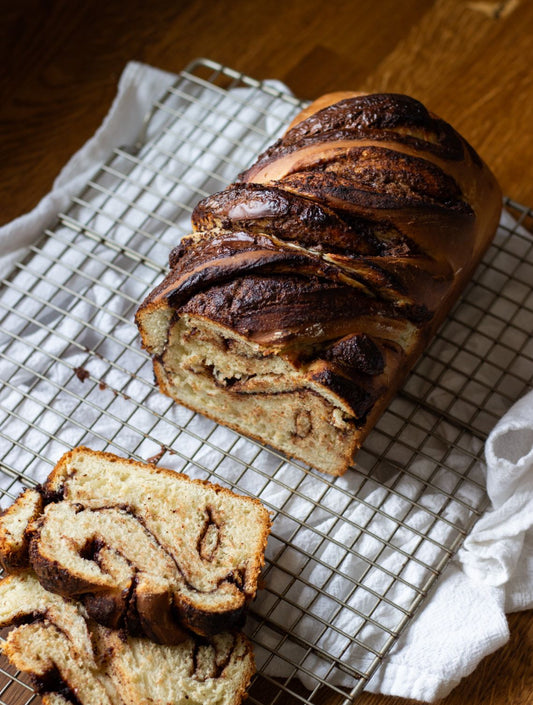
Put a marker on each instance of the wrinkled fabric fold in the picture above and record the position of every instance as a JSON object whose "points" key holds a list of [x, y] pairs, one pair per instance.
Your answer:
{"points": [[492, 552]]}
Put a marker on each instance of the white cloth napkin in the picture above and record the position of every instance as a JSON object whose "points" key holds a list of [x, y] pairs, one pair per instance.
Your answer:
{"points": [[464, 618]]}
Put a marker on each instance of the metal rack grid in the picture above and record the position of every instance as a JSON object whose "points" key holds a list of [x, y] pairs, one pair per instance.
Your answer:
{"points": [[350, 559]]}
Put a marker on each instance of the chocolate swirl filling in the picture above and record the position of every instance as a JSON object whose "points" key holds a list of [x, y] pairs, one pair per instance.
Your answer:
{"points": [[126, 577]]}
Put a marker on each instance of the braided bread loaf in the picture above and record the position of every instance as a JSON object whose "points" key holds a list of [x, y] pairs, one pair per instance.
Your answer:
{"points": [[310, 286]]}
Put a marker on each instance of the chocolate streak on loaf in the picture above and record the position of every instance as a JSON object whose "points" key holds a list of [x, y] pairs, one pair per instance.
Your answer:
{"points": [[385, 116], [24, 617], [402, 177], [369, 276], [204, 551], [277, 308], [333, 188], [357, 351], [256, 208], [52, 681], [219, 664]]}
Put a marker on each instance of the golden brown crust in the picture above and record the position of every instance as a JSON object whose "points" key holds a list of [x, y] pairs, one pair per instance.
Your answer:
{"points": [[54, 482]]}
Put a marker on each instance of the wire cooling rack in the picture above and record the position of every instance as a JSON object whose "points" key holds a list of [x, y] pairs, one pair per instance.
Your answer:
{"points": [[351, 559]]}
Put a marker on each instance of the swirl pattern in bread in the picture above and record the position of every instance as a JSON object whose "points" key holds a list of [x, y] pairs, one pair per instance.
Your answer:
{"points": [[71, 659], [144, 548]]}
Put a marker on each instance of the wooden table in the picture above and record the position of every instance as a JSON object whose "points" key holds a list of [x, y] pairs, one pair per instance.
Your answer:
{"points": [[471, 62]]}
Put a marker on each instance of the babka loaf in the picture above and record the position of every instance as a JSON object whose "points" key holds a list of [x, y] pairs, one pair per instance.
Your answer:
{"points": [[310, 286], [144, 548], [71, 659]]}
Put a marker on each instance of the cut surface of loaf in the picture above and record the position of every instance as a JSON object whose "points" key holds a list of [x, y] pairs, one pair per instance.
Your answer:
{"points": [[72, 659], [310, 286], [144, 548]]}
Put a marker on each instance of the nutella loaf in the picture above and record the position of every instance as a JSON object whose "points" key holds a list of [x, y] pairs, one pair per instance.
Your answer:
{"points": [[309, 287], [72, 659], [144, 548]]}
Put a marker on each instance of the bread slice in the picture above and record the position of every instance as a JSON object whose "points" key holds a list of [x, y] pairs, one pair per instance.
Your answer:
{"points": [[310, 286], [14, 522], [144, 548], [71, 659]]}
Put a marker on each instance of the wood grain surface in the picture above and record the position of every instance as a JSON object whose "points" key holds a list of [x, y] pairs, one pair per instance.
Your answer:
{"points": [[470, 62]]}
